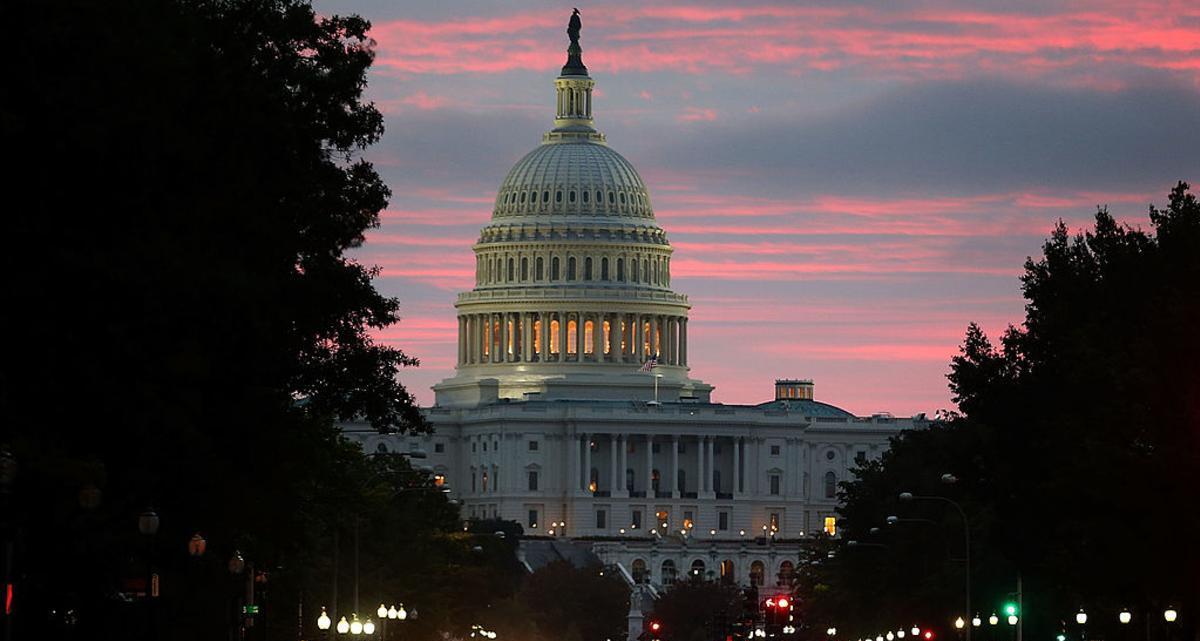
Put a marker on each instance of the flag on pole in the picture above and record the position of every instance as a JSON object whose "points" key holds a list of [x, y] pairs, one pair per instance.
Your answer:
{"points": [[650, 364]]}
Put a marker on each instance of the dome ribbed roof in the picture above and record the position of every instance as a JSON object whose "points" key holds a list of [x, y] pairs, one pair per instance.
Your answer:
{"points": [[568, 177]]}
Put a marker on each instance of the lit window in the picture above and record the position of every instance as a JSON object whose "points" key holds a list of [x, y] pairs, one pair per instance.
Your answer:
{"points": [[831, 526]]}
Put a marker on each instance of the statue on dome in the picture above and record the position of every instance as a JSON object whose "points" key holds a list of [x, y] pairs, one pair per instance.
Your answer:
{"points": [[573, 27]]}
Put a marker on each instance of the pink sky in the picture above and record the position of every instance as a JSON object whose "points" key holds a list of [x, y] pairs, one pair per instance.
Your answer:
{"points": [[846, 185]]}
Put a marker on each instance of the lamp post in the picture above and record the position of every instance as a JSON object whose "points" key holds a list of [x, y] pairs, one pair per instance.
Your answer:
{"points": [[323, 623], [1081, 618], [950, 479], [148, 525]]}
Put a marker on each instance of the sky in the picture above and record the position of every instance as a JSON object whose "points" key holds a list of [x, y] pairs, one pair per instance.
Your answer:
{"points": [[846, 184]]}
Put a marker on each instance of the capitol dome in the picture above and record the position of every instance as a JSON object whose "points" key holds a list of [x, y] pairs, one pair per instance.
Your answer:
{"points": [[573, 177], [572, 295]]}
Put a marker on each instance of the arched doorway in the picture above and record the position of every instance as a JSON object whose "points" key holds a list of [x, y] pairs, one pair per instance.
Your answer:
{"points": [[756, 573], [727, 573], [668, 572]]}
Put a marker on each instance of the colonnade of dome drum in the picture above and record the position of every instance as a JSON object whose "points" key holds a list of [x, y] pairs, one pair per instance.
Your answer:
{"points": [[571, 336], [578, 265]]}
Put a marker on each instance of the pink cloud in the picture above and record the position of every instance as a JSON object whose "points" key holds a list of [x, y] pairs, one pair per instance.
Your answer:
{"points": [[696, 114]]}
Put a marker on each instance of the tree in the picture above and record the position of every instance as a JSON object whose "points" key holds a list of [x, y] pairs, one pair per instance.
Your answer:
{"points": [[697, 610], [584, 602], [1076, 446], [185, 324]]}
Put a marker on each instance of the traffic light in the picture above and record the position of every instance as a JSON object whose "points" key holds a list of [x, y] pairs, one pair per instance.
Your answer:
{"points": [[1010, 609]]}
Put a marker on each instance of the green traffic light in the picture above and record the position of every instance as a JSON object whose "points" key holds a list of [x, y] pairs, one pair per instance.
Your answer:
{"points": [[1010, 609], [1061, 637]]}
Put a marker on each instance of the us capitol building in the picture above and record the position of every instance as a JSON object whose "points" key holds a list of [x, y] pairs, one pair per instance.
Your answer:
{"points": [[573, 410]]}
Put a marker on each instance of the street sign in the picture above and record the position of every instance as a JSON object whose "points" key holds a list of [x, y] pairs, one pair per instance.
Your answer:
{"points": [[249, 609]]}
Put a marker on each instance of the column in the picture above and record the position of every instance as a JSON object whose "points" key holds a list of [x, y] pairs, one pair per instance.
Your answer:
{"points": [[587, 461], [467, 335], [737, 465], [711, 444], [544, 318], [624, 465], [636, 337], [598, 337], [579, 336], [573, 462], [700, 486], [649, 466], [675, 489], [504, 336], [683, 322], [613, 479], [671, 340], [562, 336], [497, 347]]}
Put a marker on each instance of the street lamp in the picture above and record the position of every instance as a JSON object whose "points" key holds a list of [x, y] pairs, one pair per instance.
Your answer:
{"points": [[236, 563], [1081, 617], [950, 479], [148, 522], [993, 620], [323, 621], [343, 626], [1012, 619], [959, 624], [1170, 614], [369, 627], [401, 614], [356, 626], [915, 631], [976, 621]]}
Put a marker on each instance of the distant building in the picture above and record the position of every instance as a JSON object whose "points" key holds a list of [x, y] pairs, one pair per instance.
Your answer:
{"points": [[572, 410]]}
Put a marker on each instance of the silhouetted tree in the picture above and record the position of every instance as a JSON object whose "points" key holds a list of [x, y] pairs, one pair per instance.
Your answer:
{"points": [[1076, 450], [184, 324]]}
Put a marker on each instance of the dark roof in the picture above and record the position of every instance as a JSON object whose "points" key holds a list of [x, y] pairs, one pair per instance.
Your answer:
{"points": [[806, 407], [542, 552]]}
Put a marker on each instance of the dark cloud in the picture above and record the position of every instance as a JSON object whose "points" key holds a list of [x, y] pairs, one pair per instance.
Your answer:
{"points": [[983, 136]]}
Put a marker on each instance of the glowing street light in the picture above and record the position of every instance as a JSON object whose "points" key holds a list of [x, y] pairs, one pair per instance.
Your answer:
{"points": [[993, 620], [1170, 614], [369, 627], [1081, 617], [382, 612], [959, 623], [356, 626], [323, 621], [343, 626], [1124, 616], [976, 621]]}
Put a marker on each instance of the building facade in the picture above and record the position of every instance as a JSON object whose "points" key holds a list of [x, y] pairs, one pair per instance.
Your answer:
{"points": [[572, 409]]}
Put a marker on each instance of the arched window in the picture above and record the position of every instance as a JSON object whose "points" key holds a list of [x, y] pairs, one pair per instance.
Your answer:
{"points": [[511, 265], [638, 569], [554, 347], [587, 268], [554, 268], [756, 573], [622, 198], [381, 448], [585, 196], [524, 269], [604, 268], [633, 269], [558, 196], [599, 197], [681, 481], [697, 571], [571, 268], [612, 198], [522, 197], [538, 272], [727, 573], [668, 572], [572, 328], [646, 270], [572, 198], [786, 571], [546, 196], [589, 337], [620, 270], [830, 485]]}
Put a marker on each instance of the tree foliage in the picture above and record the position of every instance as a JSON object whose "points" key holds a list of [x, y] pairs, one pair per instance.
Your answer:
{"points": [[185, 322], [698, 610], [1076, 449]]}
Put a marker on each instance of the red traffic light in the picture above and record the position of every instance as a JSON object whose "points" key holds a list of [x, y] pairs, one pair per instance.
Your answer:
{"points": [[655, 626], [928, 635], [783, 602]]}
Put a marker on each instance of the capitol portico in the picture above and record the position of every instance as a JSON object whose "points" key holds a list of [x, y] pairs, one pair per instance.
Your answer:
{"points": [[573, 410]]}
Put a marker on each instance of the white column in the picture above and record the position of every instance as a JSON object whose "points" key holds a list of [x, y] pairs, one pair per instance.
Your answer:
{"points": [[708, 464], [700, 488], [544, 318], [624, 448], [526, 336], [649, 466], [675, 489], [504, 337], [562, 336], [612, 464], [587, 461], [683, 356], [579, 336], [598, 337], [636, 338], [737, 465]]}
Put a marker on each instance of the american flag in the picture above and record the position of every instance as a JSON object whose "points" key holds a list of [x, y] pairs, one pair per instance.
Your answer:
{"points": [[650, 364]]}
